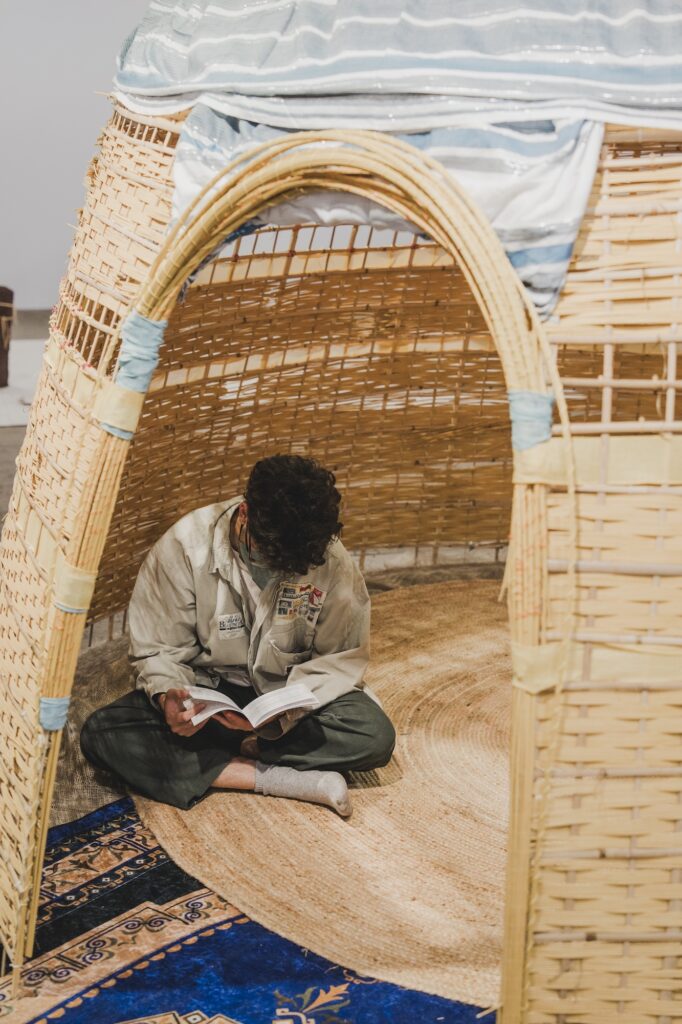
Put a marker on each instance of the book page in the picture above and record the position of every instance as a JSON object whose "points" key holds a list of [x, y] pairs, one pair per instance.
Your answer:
{"points": [[215, 702], [203, 694], [258, 711], [268, 705]]}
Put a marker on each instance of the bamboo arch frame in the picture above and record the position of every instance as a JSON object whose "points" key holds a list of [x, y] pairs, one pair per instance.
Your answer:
{"points": [[399, 177]]}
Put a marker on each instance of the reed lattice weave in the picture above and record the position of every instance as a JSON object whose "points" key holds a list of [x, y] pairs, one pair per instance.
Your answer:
{"points": [[389, 359], [605, 918]]}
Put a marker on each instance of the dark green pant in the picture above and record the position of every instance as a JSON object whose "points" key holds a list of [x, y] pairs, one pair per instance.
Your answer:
{"points": [[131, 739]]}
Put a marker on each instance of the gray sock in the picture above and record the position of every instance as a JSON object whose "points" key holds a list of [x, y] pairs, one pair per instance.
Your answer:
{"points": [[327, 788]]}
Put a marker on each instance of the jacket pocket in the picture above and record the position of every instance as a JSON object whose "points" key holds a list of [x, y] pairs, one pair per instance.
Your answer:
{"points": [[288, 648]]}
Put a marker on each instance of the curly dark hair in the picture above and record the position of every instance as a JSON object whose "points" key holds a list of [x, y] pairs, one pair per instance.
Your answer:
{"points": [[293, 512]]}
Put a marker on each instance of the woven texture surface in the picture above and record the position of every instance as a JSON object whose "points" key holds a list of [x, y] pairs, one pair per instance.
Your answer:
{"points": [[427, 832], [102, 675], [362, 322]]}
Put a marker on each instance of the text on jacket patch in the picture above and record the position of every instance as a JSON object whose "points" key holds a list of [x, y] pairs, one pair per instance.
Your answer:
{"points": [[299, 600], [230, 626]]}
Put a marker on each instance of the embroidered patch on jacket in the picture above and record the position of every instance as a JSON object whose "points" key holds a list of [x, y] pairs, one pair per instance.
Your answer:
{"points": [[299, 601], [230, 626]]}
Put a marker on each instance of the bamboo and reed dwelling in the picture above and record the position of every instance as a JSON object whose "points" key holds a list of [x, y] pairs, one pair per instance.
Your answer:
{"points": [[391, 361]]}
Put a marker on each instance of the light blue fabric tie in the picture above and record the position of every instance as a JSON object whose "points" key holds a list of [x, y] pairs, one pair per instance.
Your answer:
{"points": [[53, 712], [140, 343], [66, 608], [531, 418]]}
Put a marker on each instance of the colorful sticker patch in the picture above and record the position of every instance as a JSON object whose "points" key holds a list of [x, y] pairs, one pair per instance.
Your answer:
{"points": [[299, 601], [230, 626]]}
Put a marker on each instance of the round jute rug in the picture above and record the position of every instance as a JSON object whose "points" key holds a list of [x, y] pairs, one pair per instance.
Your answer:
{"points": [[410, 889]]}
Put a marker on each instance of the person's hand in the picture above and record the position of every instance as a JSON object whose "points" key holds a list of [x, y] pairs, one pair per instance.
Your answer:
{"points": [[231, 720], [178, 718]]}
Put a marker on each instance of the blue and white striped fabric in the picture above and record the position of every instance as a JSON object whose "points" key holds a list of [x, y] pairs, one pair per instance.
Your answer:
{"points": [[509, 98], [532, 182], [325, 63]]}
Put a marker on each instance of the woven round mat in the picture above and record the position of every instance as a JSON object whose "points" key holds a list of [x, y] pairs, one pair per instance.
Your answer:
{"points": [[409, 890]]}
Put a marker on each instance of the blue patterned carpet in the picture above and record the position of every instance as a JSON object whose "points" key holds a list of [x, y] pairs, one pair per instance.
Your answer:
{"points": [[124, 935]]}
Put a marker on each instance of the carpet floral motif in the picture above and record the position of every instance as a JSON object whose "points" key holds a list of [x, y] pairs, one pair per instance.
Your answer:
{"points": [[188, 1018], [126, 937]]}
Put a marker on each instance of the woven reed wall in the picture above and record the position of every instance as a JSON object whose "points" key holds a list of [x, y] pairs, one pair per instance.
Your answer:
{"points": [[356, 355], [55, 487], [605, 917], [358, 367]]}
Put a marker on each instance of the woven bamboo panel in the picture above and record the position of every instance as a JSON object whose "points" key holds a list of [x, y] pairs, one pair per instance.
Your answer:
{"points": [[606, 918], [624, 284], [22, 743], [54, 469], [605, 914], [630, 584], [623, 292], [28, 549], [129, 191], [368, 339]]}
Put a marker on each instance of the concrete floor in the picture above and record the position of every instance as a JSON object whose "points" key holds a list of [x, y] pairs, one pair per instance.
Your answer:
{"points": [[28, 325], [10, 442]]}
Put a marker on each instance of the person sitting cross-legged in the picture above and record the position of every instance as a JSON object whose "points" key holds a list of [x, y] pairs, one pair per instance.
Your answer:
{"points": [[247, 596]]}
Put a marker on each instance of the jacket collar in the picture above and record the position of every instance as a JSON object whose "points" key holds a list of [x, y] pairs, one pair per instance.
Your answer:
{"points": [[222, 555]]}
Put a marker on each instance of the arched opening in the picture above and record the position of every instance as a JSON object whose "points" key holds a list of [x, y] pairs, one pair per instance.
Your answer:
{"points": [[399, 178], [364, 347], [384, 370]]}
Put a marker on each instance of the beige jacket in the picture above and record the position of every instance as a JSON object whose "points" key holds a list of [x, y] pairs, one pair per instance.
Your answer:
{"points": [[190, 621]]}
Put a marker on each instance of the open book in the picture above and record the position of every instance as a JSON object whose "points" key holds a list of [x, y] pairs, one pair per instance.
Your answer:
{"points": [[260, 710]]}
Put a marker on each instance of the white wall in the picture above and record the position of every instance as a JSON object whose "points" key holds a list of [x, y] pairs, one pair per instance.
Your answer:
{"points": [[56, 55]]}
